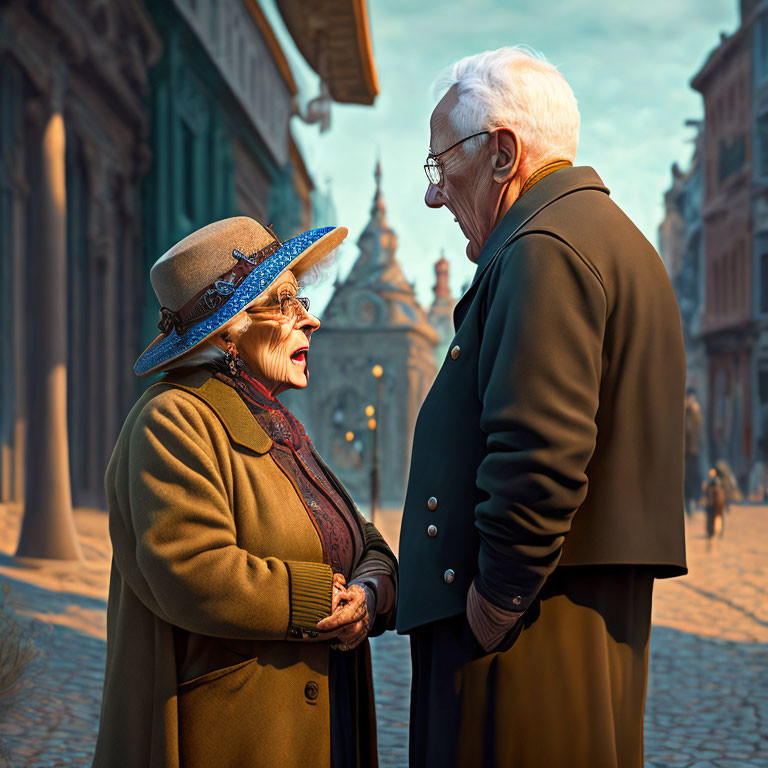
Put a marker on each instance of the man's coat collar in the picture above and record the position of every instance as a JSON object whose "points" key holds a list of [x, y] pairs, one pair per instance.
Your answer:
{"points": [[551, 188]]}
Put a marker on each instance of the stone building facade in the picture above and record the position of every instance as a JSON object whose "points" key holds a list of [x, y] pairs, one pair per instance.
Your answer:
{"points": [[672, 228], [73, 76], [221, 98], [759, 296], [123, 127], [372, 318], [681, 245], [732, 165]]}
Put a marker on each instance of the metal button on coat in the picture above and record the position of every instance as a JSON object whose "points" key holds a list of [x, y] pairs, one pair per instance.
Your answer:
{"points": [[455, 352], [449, 576], [517, 599], [432, 503], [432, 531], [311, 690]]}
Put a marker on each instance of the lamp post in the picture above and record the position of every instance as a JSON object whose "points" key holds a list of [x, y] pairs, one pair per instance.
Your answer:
{"points": [[377, 372]]}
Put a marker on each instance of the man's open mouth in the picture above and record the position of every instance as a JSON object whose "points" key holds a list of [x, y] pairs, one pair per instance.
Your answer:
{"points": [[300, 356]]}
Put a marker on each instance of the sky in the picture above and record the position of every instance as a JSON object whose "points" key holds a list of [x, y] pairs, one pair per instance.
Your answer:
{"points": [[629, 64]]}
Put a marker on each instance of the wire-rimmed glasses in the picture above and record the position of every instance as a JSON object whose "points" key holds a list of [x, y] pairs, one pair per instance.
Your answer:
{"points": [[288, 304], [433, 167]]}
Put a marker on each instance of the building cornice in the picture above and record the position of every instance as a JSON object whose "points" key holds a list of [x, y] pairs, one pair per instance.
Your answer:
{"points": [[272, 43], [334, 38], [725, 336], [730, 45]]}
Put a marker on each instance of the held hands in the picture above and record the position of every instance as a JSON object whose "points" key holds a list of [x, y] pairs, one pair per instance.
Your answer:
{"points": [[349, 620]]}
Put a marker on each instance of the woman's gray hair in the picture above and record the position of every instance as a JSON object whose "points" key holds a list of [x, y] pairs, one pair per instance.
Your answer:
{"points": [[207, 354], [514, 87]]}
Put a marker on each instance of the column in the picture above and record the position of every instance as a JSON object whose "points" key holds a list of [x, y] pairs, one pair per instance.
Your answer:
{"points": [[48, 529]]}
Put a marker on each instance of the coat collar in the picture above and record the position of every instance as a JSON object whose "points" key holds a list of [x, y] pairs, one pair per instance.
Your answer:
{"points": [[552, 187], [226, 403]]}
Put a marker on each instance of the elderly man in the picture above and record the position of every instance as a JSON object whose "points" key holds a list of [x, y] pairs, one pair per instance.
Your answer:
{"points": [[546, 484]]}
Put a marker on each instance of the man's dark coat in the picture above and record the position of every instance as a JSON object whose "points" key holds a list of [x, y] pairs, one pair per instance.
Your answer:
{"points": [[553, 434]]}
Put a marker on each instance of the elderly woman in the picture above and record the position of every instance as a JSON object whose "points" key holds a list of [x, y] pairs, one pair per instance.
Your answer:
{"points": [[244, 581]]}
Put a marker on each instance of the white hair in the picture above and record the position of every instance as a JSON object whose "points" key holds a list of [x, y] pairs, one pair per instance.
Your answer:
{"points": [[322, 272], [207, 352], [517, 88]]}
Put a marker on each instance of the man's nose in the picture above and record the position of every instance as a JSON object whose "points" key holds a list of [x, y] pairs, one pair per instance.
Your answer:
{"points": [[434, 197]]}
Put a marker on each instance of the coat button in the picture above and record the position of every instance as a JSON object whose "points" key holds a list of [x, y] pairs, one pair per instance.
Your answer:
{"points": [[432, 503], [311, 690], [449, 576], [432, 531], [517, 599], [455, 352]]}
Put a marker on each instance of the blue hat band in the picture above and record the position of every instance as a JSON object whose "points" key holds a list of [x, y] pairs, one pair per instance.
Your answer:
{"points": [[254, 283]]}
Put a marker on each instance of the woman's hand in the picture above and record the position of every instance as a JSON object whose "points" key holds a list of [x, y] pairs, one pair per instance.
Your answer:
{"points": [[339, 583], [349, 620]]}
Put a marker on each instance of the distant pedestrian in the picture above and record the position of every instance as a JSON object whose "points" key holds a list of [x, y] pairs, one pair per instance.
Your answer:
{"points": [[716, 506], [694, 423], [728, 479]]}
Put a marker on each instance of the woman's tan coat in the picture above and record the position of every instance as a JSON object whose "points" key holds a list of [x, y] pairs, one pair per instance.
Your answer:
{"points": [[217, 584]]}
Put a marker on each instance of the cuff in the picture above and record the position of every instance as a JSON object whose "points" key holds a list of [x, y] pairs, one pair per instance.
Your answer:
{"points": [[489, 623], [310, 588], [370, 597]]}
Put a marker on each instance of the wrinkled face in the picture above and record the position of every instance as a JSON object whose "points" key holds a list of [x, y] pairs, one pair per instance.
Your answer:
{"points": [[275, 345], [467, 189]]}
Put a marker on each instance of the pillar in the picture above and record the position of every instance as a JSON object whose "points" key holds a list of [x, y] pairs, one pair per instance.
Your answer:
{"points": [[48, 529]]}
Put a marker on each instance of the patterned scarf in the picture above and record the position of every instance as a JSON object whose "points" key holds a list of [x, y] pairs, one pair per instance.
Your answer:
{"points": [[337, 522]]}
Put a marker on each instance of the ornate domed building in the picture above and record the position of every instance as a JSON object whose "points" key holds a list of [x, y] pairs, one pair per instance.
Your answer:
{"points": [[441, 312], [373, 318]]}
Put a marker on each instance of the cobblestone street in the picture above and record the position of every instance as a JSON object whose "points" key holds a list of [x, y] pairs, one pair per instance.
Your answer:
{"points": [[708, 683], [708, 688]]}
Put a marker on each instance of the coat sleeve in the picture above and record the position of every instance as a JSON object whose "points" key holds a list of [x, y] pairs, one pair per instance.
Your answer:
{"points": [[540, 366], [195, 575], [377, 570]]}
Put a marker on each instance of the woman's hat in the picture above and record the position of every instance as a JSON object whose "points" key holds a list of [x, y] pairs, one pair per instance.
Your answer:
{"points": [[216, 272]]}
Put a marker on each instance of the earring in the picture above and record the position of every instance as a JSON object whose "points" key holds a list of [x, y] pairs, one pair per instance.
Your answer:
{"points": [[233, 360]]}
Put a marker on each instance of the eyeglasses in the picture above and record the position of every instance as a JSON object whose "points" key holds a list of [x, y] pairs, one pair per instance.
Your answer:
{"points": [[290, 306], [294, 306], [433, 167]]}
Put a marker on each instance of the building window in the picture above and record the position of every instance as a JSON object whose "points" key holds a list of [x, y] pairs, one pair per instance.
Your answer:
{"points": [[730, 157]]}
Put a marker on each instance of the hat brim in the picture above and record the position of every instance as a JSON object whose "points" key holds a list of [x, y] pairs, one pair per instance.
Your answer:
{"points": [[298, 254]]}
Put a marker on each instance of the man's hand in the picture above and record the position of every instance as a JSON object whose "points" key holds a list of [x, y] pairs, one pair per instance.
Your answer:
{"points": [[349, 620], [488, 622]]}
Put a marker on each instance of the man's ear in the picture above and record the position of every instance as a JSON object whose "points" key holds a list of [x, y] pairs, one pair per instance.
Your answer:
{"points": [[505, 159]]}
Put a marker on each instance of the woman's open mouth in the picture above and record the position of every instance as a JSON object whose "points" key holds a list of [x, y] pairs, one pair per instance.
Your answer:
{"points": [[300, 356]]}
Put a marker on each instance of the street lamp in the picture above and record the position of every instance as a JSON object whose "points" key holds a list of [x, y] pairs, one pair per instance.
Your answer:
{"points": [[377, 372]]}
